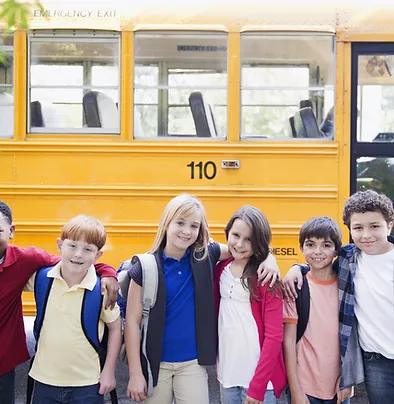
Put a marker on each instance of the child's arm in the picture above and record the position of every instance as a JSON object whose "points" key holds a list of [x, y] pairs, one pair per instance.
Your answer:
{"points": [[136, 389], [272, 343], [109, 283], [107, 377], [224, 253], [268, 270], [289, 345]]}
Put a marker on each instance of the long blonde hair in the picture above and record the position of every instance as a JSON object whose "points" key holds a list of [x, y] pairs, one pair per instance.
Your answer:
{"points": [[183, 206]]}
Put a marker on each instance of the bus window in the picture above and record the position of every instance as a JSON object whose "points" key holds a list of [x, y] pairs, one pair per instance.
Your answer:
{"points": [[180, 85], [74, 82], [376, 173], [6, 87], [375, 102], [287, 86]]}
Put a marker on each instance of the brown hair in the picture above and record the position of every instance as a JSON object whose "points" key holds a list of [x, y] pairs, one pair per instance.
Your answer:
{"points": [[368, 201], [321, 227], [260, 239], [87, 228]]}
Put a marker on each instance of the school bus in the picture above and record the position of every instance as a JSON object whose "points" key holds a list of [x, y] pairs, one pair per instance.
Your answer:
{"points": [[112, 109]]}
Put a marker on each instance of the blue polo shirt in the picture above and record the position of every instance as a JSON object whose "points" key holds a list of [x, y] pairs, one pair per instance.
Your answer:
{"points": [[179, 342]]}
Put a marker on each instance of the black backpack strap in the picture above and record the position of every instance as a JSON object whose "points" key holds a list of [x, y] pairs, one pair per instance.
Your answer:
{"points": [[303, 304]]}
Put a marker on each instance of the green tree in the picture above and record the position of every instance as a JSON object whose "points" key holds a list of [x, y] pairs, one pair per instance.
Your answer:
{"points": [[16, 15]]}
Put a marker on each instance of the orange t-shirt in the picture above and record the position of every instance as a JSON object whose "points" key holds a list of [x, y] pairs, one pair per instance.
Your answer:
{"points": [[318, 355]]}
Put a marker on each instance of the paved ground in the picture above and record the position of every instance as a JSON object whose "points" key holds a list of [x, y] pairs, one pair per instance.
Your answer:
{"points": [[122, 380]]}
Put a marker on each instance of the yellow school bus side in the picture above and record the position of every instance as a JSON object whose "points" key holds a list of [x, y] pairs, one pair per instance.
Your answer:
{"points": [[126, 182]]}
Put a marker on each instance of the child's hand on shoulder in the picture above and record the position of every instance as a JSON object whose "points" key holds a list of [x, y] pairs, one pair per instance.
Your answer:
{"points": [[107, 382]]}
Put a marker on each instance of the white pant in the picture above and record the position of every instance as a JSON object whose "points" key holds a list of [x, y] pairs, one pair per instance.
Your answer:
{"points": [[186, 381]]}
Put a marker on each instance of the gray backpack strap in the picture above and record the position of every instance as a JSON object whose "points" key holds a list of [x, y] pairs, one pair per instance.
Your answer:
{"points": [[150, 281], [123, 279]]}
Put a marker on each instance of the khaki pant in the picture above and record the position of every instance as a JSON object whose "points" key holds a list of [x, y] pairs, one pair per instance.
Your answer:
{"points": [[186, 381]]}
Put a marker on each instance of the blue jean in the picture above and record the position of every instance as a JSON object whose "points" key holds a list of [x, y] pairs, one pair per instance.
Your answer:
{"points": [[237, 395], [314, 400], [379, 378], [45, 394], [7, 388]]}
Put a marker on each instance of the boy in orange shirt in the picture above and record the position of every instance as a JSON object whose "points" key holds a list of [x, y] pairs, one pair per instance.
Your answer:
{"points": [[312, 354]]}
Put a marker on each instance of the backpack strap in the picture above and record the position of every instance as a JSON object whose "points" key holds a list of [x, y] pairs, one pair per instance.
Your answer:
{"points": [[90, 315], [42, 288], [90, 319], [303, 304], [150, 281]]}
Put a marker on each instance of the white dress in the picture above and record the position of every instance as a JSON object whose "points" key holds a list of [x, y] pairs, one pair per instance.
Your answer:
{"points": [[239, 347]]}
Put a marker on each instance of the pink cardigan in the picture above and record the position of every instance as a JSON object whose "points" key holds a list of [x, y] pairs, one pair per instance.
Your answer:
{"points": [[268, 314]]}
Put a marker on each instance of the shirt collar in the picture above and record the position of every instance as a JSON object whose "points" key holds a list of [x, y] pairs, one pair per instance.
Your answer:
{"points": [[88, 282], [185, 256]]}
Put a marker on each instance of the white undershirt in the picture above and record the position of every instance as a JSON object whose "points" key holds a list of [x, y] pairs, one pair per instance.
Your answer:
{"points": [[239, 347], [374, 302]]}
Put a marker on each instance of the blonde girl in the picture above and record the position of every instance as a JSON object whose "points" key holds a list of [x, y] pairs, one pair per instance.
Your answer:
{"points": [[181, 336]]}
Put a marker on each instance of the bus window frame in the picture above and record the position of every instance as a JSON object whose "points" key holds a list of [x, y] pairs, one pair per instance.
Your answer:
{"points": [[163, 104], [67, 36], [311, 88]]}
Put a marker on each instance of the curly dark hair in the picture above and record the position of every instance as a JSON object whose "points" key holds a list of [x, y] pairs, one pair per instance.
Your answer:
{"points": [[368, 201], [5, 210]]}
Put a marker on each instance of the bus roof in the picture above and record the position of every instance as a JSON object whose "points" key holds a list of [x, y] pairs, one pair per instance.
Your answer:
{"points": [[304, 15]]}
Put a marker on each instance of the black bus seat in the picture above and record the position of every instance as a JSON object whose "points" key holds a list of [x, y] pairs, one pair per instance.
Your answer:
{"points": [[384, 137], [100, 110], [307, 104], [327, 126], [292, 126], [203, 118], [6, 115], [306, 125], [36, 118]]}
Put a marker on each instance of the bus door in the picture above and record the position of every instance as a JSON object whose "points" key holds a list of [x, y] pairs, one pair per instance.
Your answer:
{"points": [[372, 117]]}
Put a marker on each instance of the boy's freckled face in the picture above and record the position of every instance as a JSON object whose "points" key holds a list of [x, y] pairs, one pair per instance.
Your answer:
{"points": [[6, 232], [369, 231], [77, 256]]}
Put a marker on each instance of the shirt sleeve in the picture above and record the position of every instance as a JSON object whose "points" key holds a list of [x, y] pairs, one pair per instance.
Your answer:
{"points": [[29, 287], [108, 316], [214, 252], [34, 258], [290, 312], [135, 273], [105, 270]]}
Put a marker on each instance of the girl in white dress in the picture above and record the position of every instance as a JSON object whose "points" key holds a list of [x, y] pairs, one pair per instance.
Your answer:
{"points": [[250, 362]]}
